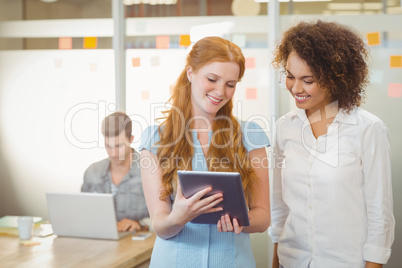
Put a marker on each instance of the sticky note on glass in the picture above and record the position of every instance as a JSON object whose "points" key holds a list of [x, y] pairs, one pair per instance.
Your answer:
{"points": [[373, 39], [93, 67], [155, 61], [394, 90], [251, 93], [145, 95], [184, 40], [162, 42], [396, 61], [65, 43], [250, 63], [136, 62], [58, 63], [90, 42]]}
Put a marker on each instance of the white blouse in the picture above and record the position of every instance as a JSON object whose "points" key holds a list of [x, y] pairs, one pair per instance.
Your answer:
{"points": [[332, 196]]}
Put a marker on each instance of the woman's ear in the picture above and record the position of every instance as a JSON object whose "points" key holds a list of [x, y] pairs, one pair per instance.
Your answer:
{"points": [[189, 73]]}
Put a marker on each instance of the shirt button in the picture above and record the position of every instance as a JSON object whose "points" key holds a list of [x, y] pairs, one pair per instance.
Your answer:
{"points": [[310, 207]]}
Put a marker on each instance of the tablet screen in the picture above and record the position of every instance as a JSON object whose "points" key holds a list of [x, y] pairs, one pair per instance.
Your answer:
{"points": [[228, 183]]}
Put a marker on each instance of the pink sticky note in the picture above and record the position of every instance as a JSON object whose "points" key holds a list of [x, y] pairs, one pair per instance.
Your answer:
{"points": [[251, 93], [65, 43], [162, 41], [394, 90], [58, 63], [250, 63], [145, 95], [136, 62], [93, 67]]}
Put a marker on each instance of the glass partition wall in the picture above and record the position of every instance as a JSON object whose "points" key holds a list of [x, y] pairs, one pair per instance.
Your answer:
{"points": [[57, 80]]}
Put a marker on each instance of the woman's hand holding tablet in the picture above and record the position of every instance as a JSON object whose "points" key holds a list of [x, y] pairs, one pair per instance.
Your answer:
{"points": [[186, 209], [234, 209]]}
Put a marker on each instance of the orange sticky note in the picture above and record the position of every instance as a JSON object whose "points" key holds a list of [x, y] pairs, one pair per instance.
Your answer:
{"points": [[396, 61], [162, 41], [145, 95], [90, 42], [136, 62], [65, 43], [251, 93], [93, 67], [394, 90], [185, 40], [373, 39], [250, 63]]}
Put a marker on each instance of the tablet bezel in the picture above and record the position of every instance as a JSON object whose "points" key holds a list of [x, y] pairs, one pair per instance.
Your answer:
{"points": [[228, 183]]}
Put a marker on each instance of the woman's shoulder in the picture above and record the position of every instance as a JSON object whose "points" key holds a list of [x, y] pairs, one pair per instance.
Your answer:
{"points": [[254, 135], [150, 136]]}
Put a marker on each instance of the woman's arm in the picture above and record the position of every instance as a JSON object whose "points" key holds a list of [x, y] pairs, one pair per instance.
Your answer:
{"points": [[167, 220], [275, 259], [376, 160], [259, 213], [373, 265]]}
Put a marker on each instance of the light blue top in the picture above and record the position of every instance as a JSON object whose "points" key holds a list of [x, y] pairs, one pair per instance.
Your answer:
{"points": [[201, 245]]}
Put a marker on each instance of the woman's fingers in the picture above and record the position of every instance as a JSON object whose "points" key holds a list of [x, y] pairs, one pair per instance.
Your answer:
{"points": [[198, 195], [237, 227], [226, 225]]}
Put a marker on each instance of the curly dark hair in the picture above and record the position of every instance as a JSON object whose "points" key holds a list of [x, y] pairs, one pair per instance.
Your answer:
{"points": [[336, 56]]}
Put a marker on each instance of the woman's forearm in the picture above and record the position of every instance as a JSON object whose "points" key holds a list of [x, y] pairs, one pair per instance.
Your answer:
{"points": [[259, 221], [165, 226]]}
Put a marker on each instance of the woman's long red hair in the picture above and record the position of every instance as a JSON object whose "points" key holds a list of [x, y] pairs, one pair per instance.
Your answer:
{"points": [[175, 150]]}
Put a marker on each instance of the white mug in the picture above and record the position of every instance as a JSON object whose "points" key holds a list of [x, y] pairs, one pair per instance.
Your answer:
{"points": [[25, 224]]}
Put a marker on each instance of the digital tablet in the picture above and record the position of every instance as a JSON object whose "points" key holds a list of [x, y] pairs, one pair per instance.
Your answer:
{"points": [[228, 183]]}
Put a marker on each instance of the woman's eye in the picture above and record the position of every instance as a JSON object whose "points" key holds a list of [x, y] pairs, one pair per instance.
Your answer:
{"points": [[308, 82], [232, 86], [211, 80], [289, 77]]}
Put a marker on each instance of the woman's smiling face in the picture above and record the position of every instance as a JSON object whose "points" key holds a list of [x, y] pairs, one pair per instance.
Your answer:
{"points": [[212, 87], [303, 86]]}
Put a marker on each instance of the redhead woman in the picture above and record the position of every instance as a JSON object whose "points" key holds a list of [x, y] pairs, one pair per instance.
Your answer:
{"points": [[200, 133]]}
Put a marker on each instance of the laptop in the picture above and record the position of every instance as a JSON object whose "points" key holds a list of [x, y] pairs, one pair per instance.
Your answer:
{"points": [[85, 215]]}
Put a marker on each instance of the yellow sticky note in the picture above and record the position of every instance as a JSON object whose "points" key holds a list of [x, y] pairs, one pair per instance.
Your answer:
{"points": [[394, 90], [373, 39], [136, 62], [145, 95], [90, 42], [251, 93], [162, 41], [396, 61], [185, 40], [250, 63], [65, 43]]}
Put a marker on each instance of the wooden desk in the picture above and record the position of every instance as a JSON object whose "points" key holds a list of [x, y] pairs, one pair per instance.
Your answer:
{"points": [[74, 252]]}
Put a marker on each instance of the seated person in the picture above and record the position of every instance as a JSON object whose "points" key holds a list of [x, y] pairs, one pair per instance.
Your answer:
{"points": [[119, 174]]}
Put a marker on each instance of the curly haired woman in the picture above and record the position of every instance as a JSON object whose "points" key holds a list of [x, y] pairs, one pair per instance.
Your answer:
{"points": [[200, 133], [332, 192]]}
